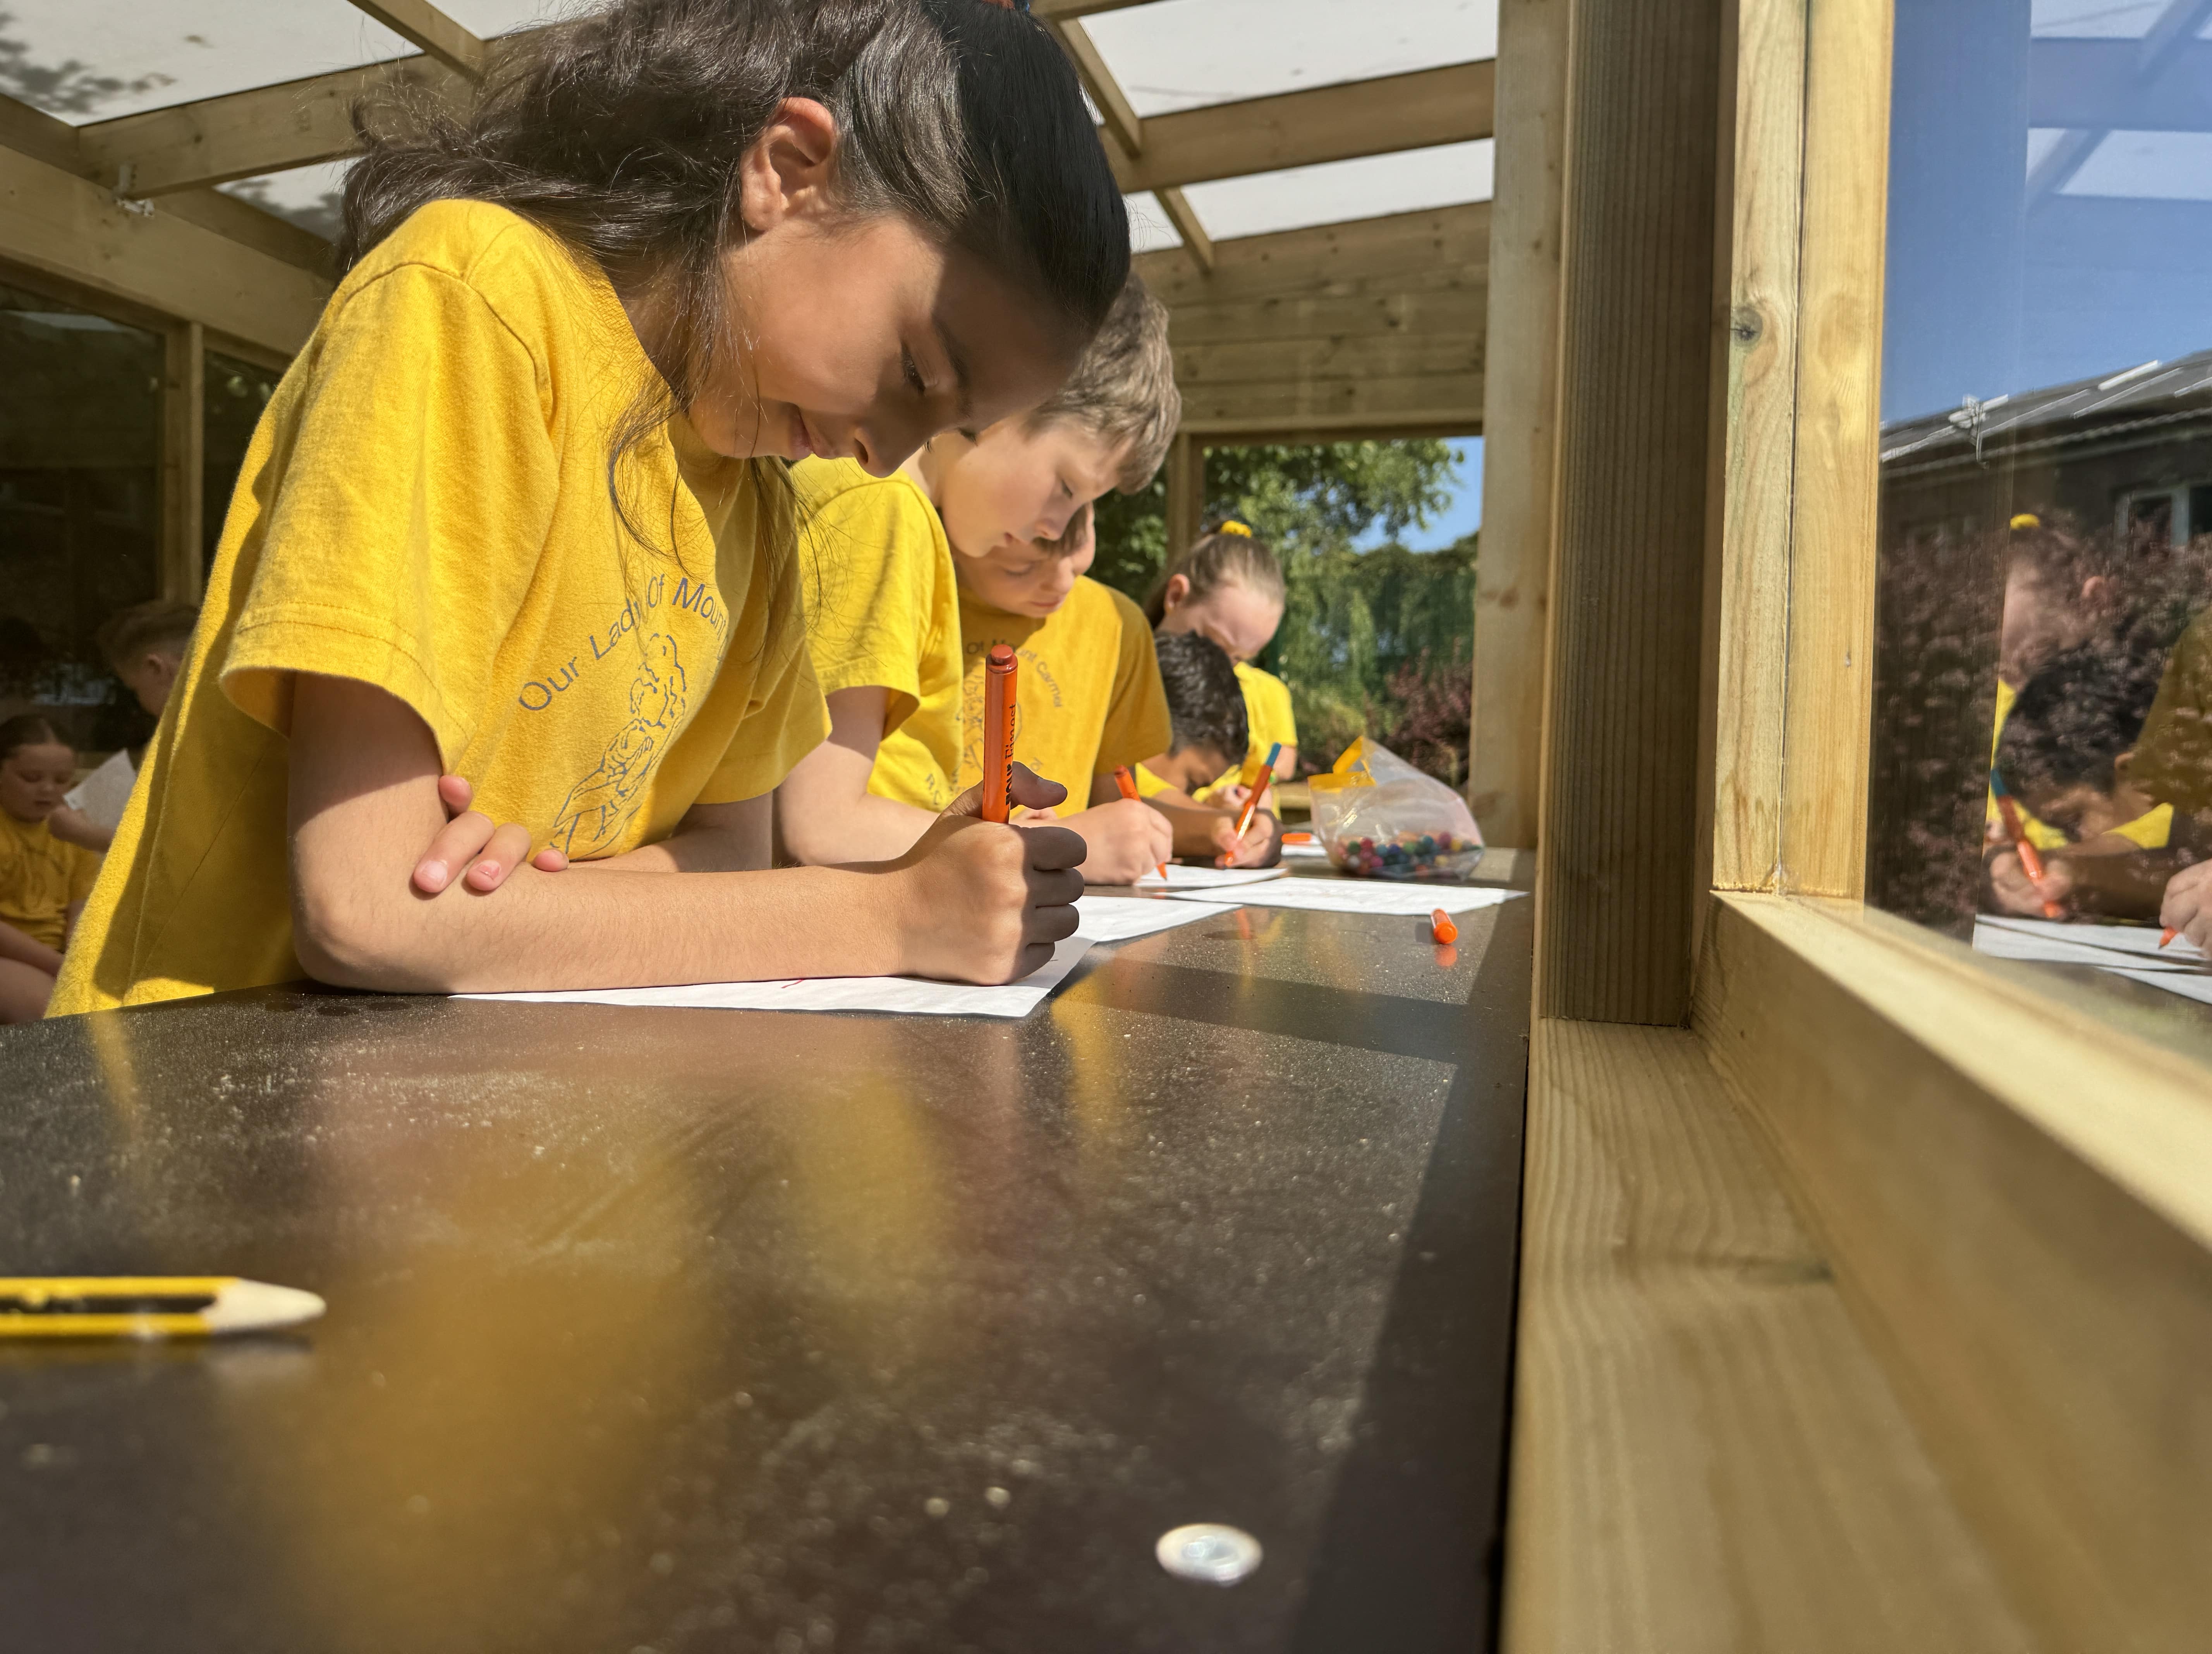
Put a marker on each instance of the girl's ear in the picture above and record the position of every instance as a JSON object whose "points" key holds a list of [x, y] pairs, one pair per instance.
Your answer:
{"points": [[1173, 595], [789, 168]]}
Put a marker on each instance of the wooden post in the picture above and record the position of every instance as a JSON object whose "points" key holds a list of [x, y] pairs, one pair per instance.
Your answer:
{"points": [[184, 402], [1617, 880], [1519, 422], [1186, 492]]}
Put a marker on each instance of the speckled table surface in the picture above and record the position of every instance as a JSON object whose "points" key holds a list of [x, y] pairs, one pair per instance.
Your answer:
{"points": [[680, 1330]]}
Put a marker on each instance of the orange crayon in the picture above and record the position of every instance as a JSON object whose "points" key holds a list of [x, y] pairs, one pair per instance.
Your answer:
{"points": [[1258, 786], [2031, 858], [1441, 926], [1127, 782], [2165, 937], [998, 671]]}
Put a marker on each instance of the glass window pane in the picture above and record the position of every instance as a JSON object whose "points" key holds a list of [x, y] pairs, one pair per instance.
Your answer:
{"points": [[80, 507], [236, 392], [2043, 648]]}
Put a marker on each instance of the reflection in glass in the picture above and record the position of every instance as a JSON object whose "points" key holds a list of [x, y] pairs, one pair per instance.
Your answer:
{"points": [[80, 506], [235, 395], [2043, 649]]}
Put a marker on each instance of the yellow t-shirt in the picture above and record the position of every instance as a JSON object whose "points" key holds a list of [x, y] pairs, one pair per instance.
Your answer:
{"points": [[2151, 830], [41, 875], [1148, 784], [883, 609], [424, 508], [1088, 697], [1268, 713]]}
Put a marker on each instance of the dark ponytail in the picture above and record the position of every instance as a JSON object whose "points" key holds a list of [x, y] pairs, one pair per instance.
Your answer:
{"points": [[621, 132]]}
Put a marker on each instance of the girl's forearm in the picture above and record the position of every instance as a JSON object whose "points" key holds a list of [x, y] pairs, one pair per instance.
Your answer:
{"points": [[548, 930]]}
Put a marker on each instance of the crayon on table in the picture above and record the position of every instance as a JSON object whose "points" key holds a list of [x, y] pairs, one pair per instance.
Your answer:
{"points": [[999, 669], [148, 1307]]}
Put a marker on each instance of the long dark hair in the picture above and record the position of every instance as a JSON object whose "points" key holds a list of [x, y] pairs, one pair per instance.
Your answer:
{"points": [[621, 132]]}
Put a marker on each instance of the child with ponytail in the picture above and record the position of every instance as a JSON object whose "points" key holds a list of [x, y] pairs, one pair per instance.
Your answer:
{"points": [[520, 514], [1228, 587]]}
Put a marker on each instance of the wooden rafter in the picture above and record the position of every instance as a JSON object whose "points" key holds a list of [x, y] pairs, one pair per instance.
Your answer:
{"points": [[1417, 111], [244, 134], [422, 23], [1057, 10], [1184, 216], [1123, 126], [34, 133]]}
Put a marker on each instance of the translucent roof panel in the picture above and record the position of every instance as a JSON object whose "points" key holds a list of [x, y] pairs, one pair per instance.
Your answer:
{"points": [[93, 60], [309, 195], [1181, 54], [1413, 180], [1149, 229]]}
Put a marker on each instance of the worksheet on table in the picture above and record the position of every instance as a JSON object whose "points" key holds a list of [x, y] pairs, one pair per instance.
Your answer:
{"points": [[1122, 918], [901, 994], [2059, 942], [1181, 878], [1358, 896]]}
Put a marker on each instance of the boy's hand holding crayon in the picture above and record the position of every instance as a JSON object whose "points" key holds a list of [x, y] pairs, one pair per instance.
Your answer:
{"points": [[979, 902], [1261, 843]]}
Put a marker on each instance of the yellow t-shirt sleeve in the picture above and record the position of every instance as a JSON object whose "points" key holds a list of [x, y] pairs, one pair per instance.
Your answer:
{"points": [[2152, 830], [873, 552], [1137, 725], [413, 512], [1148, 784]]}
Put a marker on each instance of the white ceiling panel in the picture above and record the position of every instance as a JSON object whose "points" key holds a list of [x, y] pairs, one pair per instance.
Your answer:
{"points": [[92, 60], [1180, 54], [1149, 229], [1412, 180]]}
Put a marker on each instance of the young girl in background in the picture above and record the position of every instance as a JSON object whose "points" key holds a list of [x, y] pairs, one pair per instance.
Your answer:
{"points": [[519, 514], [43, 880], [1228, 587]]}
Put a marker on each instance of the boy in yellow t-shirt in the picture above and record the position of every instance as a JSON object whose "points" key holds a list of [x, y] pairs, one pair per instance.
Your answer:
{"points": [[43, 880], [1206, 706], [982, 540]]}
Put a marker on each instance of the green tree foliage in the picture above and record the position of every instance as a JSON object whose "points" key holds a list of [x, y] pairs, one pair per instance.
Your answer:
{"points": [[1367, 637]]}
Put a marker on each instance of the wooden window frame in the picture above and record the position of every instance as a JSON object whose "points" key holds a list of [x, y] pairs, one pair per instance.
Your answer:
{"points": [[2015, 1197]]}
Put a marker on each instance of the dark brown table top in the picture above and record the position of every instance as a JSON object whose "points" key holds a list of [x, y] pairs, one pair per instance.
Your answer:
{"points": [[678, 1329]]}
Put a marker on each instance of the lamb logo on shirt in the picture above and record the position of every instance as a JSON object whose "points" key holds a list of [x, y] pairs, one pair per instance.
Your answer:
{"points": [[600, 806]]}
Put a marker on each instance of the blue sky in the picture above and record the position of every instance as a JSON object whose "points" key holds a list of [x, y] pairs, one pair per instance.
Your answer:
{"points": [[2051, 198], [1464, 515]]}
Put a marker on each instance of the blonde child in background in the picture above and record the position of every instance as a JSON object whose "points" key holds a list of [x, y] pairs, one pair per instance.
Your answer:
{"points": [[43, 880], [146, 646], [983, 539], [1228, 587]]}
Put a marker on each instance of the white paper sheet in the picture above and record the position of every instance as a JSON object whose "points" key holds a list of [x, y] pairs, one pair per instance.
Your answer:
{"points": [[1121, 919], [902, 994], [2055, 941], [1208, 878], [1304, 852], [1358, 896], [2190, 985]]}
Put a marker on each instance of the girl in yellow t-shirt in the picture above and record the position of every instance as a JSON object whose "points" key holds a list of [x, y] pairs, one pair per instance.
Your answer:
{"points": [[519, 514], [1228, 587], [43, 880]]}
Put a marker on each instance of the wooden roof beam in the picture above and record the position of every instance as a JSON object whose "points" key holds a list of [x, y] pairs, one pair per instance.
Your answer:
{"points": [[1055, 11], [426, 27], [244, 134], [1417, 111]]}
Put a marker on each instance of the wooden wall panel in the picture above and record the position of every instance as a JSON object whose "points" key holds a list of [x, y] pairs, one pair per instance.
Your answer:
{"points": [[2010, 1191], [1706, 1456], [1519, 422], [1439, 252], [183, 457], [1618, 878]]}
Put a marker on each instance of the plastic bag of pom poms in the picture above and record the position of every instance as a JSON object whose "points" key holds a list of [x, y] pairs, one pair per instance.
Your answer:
{"points": [[1380, 818]]}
